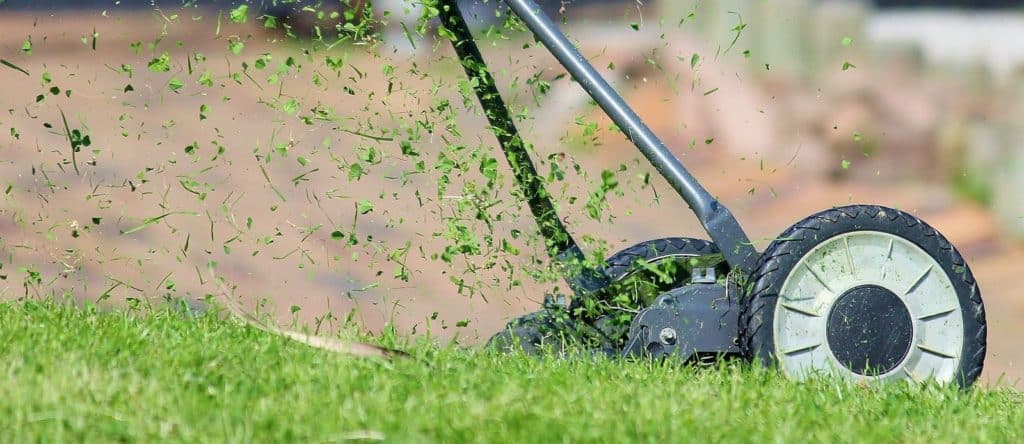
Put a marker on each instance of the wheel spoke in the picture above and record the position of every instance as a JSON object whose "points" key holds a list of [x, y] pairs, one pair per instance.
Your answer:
{"points": [[936, 352], [849, 256], [800, 310], [919, 280], [819, 278], [800, 349], [913, 376], [937, 314]]}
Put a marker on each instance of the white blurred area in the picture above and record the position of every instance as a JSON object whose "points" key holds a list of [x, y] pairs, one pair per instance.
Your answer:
{"points": [[401, 19], [955, 37]]}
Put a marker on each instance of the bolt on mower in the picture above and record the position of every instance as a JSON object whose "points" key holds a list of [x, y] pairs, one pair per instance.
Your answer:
{"points": [[860, 292]]}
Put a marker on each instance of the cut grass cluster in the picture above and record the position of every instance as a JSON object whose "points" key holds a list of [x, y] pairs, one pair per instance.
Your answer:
{"points": [[72, 374]]}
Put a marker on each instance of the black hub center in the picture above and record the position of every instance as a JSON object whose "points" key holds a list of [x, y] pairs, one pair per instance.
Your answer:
{"points": [[870, 330]]}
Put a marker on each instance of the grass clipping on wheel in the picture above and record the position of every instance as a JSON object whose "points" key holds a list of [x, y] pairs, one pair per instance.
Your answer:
{"points": [[351, 348]]}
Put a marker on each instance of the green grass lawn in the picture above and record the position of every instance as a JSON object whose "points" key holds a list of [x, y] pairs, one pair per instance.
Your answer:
{"points": [[83, 375]]}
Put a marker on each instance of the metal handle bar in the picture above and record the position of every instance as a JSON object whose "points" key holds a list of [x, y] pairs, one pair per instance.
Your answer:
{"points": [[717, 220]]}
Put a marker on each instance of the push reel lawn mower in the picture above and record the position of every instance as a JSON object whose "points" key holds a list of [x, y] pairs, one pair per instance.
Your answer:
{"points": [[859, 292]]}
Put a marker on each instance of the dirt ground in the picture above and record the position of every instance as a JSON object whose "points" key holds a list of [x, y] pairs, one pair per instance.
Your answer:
{"points": [[194, 205]]}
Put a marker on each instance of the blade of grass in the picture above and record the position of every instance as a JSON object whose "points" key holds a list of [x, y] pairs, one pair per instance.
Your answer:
{"points": [[14, 67], [357, 349], [267, 176], [153, 220], [67, 132], [368, 136]]}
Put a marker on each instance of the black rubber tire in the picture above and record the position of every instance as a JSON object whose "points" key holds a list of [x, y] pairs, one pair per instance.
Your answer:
{"points": [[536, 333], [529, 332], [775, 265]]}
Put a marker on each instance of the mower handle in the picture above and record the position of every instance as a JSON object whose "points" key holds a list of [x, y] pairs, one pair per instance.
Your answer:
{"points": [[718, 221]]}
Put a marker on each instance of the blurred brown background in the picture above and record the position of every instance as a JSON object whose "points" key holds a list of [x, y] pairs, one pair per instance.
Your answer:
{"points": [[245, 159]]}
